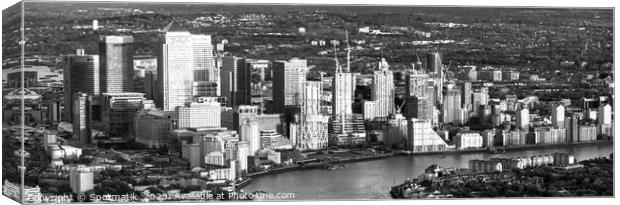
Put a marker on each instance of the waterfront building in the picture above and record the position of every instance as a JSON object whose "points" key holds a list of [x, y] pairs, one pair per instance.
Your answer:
{"points": [[422, 138], [81, 180], [311, 133], [452, 105], [175, 69], [249, 132], [485, 166], [236, 81], [395, 133], [346, 130], [572, 127], [547, 135], [587, 133], [224, 174], [383, 90], [290, 76], [488, 138], [82, 117], [557, 115], [243, 151], [118, 112], [468, 140], [81, 74], [511, 138], [244, 112], [116, 64], [201, 113], [605, 124], [523, 118], [152, 127]]}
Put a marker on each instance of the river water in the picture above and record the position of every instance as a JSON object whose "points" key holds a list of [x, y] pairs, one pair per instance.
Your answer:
{"points": [[372, 179]]}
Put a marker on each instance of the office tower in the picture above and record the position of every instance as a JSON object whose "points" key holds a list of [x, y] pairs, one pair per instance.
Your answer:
{"points": [[417, 107], [466, 95], [523, 118], [346, 130], [150, 82], [311, 131], [342, 96], [243, 151], [204, 60], [452, 105], [557, 116], [396, 130], [288, 76], [249, 132], [175, 71], [422, 138], [236, 81], [118, 112], [152, 127], [116, 64], [244, 112], [480, 97], [311, 98], [202, 113], [81, 180], [82, 117], [433, 65], [383, 90], [81, 74], [422, 87], [472, 74]]}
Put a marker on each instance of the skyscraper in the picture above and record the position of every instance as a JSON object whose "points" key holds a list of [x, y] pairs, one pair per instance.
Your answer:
{"points": [[466, 95], [288, 77], [175, 69], [311, 131], [433, 65], [557, 116], [204, 60], [342, 96], [452, 105], [604, 114], [248, 132], [81, 74], [383, 90], [236, 81], [81, 121], [116, 64]]}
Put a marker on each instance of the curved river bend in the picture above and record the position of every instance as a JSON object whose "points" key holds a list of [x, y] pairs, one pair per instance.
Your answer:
{"points": [[372, 179]]}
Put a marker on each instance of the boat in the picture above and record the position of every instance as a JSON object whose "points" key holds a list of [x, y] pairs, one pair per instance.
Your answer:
{"points": [[332, 167]]}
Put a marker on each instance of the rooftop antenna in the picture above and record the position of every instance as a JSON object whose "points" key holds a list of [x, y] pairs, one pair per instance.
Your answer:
{"points": [[346, 34], [338, 68]]}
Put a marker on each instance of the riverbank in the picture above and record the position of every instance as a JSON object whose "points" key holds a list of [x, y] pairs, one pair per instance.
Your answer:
{"points": [[501, 149], [321, 164]]}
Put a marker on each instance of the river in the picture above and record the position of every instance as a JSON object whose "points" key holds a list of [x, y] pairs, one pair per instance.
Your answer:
{"points": [[372, 179]]}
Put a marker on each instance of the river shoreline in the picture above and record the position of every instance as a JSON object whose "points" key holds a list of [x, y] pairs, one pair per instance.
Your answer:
{"points": [[316, 165]]}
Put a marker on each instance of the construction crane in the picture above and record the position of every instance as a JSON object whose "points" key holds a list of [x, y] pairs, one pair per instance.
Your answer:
{"points": [[346, 35]]}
